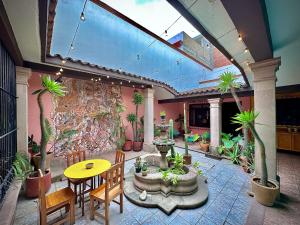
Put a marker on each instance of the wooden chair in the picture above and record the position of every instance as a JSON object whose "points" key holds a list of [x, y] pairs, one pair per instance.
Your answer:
{"points": [[107, 192], [119, 158], [55, 201], [72, 158]]}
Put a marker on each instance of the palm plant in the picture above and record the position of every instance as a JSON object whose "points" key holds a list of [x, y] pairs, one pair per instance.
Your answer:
{"points": [[246, 120], [138, 99], [56, 89], [228, 82], [131, 118], [21, 166]]}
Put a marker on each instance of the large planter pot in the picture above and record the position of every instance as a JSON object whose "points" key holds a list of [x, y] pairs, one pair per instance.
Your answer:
{"points": [[204, 146], [37, 160], [265, 195], [137, 146], [187, 159], [32, 184], [127, 146]]}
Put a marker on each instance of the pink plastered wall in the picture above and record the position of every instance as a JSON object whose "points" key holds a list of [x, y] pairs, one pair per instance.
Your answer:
{"points": [[172, 109]]}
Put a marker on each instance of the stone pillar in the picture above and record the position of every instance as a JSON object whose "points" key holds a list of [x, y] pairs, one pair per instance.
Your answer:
{"points": [[149, 120], [22, 76], [264, 85], [215, 123]]}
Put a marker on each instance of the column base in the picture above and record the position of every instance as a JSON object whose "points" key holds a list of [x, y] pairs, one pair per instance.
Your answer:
{"points": [[149, 148], [213, 150]]}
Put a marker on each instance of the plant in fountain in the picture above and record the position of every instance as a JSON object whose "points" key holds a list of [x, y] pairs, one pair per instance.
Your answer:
{"points": [[187, 157], [228, 82], [265, 191], [138, 99], [56, 89]]}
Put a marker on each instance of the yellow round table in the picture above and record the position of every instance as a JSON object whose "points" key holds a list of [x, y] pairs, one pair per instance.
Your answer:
{"points": [[79, 171]]}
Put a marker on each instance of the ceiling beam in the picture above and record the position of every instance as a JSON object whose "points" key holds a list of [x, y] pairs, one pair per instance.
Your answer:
{"points": [[250, 19], [7, 37], [189, 17]]}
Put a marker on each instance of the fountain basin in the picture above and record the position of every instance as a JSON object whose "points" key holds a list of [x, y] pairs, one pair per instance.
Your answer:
{"points": [[153, 183]]}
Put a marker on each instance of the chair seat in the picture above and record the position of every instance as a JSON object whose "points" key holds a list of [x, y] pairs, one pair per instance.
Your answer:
{"points": [[59, 198], [99, 192], [76, 181]]}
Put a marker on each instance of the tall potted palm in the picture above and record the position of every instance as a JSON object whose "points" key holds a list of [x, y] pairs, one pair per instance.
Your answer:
{"points": [[265, 191], [56, 89], [131, 118], [228, 83], [138, 99]]}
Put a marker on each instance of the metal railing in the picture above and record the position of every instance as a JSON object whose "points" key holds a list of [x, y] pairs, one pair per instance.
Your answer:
{"points": [[8, 122]]}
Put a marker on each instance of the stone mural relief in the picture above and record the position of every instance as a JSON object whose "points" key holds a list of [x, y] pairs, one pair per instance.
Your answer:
{"points": [[84, 117]]}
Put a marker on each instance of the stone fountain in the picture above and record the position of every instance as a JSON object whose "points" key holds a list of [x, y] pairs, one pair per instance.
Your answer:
{"points": [[190, 190]]}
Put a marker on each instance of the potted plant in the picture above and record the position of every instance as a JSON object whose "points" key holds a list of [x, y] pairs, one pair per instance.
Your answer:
{"points": [[204, 145], [144, 169], [33, 147], [228, 83], [138, 99], [162, 115], [187, 157], [138, 165], [43, 158], [265, 191], [131, 118]]}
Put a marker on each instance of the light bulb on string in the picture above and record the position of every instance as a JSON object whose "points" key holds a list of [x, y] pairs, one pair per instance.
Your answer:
{"points": [[82, 17], [121, 82], [61, 70], [63, 61], [246, 50], [107, 77], [231, 59]]}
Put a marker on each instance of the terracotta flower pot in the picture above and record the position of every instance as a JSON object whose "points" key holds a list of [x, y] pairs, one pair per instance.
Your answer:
{"points": [[127, 146], [265, 195], [187, 159], [37, 159], [137, 146], [204, 146], [32, 184]]}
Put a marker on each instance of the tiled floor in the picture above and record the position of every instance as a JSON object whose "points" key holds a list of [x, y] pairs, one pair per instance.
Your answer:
{"points": [[228, 201], [287, 210]]}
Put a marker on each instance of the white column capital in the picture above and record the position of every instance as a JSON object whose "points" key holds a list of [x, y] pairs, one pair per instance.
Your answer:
{"points": [[265, 70], [149, 93], [215, 101], [22, 75]]}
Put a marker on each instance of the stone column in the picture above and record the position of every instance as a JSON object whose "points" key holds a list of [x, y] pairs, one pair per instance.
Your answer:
{"points": [[264, 85], [22, 76], [215, 123], [149, 120]]}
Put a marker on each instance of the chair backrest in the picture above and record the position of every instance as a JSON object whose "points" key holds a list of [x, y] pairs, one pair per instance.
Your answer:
{"points": [[42, 193], [120, 157], [114, 177], [75, 157]]}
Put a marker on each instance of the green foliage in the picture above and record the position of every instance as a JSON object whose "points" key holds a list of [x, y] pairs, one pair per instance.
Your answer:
{"points": [[174, 180], [165, 175], [235, 154], [138, 98], [228, 143], [196, 166], [227, 81], [171, 129], [204, 137], [144, 166], [162, 113], [249, 152], [221, 149], [21, 166], [131, 118], [51, 86], [245, 119], [156, 131]]}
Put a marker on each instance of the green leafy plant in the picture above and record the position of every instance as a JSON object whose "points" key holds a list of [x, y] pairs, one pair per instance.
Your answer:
{"points": [[131, 118], [144, 166], [174, 180], [228, 82], [235, 155], [165, 175], [56, 89], [196, 166], [21, 166], [171, 136], [162, 113], [119, 130], [246, 120], [204, 137], [138, 99]]}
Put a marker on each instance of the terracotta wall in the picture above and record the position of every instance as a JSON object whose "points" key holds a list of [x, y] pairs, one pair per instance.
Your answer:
{"points": [[76, 109], [219, 59]]}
